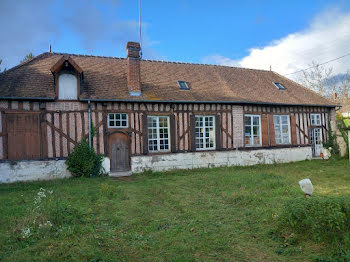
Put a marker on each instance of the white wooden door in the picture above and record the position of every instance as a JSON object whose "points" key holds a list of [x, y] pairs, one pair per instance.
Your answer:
{"points": [[316, 141]]}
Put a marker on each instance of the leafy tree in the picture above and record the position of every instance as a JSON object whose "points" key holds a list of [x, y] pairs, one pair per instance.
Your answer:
{"points": [[27, 57]]}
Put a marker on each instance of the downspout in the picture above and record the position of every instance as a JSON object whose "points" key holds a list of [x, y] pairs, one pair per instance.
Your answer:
{"points": [[89, 110], [268, 129]]}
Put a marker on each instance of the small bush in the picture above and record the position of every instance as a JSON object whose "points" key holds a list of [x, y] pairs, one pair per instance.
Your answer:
{"points": [[321, 219], [84, 161]]}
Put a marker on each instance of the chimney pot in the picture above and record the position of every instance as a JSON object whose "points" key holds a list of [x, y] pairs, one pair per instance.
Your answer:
{"points": [[133, 66], [335, 96]]}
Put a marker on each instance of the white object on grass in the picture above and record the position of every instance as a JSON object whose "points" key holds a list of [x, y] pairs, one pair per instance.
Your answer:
{"points": [[306, 186]]}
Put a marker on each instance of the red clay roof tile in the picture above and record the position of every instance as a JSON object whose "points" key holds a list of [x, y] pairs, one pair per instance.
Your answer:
{"points": [[106, 78]]}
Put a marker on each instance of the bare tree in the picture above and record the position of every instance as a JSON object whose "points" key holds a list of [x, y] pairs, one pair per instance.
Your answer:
{"points": [[322, 80], [345, 85], [317, 78]]}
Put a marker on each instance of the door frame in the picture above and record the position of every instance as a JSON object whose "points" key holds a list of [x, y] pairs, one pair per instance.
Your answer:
{"points": [[313, 145], [127, 134]]}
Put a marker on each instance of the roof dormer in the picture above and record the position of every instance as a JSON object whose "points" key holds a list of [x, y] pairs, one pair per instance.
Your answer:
{"points": [[67, 75]]}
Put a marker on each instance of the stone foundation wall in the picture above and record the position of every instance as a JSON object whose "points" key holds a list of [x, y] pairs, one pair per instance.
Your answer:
{"points": [[52, 169], [32, 170], [217, 158]]}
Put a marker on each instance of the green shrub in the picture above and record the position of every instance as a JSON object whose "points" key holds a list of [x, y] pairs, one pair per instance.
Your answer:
{"points": [[332, 141], [84, 161], [321, 219]]}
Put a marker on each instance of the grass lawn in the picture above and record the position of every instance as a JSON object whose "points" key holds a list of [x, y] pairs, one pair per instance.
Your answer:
{"points": [[220, 214]]}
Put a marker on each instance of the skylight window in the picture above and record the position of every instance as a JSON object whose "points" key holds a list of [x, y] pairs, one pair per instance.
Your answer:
{"points": [[279, 86], [183, 85]]}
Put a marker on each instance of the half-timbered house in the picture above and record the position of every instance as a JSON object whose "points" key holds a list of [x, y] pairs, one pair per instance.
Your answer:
{"points": [[154, 114]]}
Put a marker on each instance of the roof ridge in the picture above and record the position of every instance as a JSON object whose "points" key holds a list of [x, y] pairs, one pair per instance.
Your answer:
{"points": [[164, 61], [146, 60], [203, 64], [24, 63], [98, 56]]}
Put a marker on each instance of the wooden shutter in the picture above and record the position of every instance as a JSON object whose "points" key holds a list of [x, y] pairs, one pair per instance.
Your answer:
{"points": [[264, 130], [23, 136], [293, 130], [172, 134], [193, 132], [272, 131], [218, 132], [145, 134]]}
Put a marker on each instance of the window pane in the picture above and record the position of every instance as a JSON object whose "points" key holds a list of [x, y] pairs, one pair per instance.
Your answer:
{"points": [[204, 132], [285, 129], [256, 120], [158, 130], [247, 120], [247, 130], [247, 140], [68, 87], [284, 120], [276, 120], [281, 127], [255, 130], [256, 140], [252, 130], [114, 120]]}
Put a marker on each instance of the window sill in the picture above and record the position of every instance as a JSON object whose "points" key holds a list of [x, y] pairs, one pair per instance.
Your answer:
{"points": [[258, 145], [150, 153], [205, 149]]}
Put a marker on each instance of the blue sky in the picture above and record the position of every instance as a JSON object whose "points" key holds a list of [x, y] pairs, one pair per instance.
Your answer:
{"points": [[252, 34]]}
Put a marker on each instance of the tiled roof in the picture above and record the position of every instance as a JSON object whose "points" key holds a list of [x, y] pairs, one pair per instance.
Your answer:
{"points": [[105, 78]]}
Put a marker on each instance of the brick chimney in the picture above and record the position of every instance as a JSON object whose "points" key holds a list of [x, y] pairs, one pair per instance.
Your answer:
{"points": [[335, 96], [133, 68]]}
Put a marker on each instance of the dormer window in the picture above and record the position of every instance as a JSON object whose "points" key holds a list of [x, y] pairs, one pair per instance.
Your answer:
{"points": [[67, 77], [279, 86], [183, 85], [67, 87]]}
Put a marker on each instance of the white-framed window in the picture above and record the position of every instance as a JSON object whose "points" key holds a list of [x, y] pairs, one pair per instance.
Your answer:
{"points": [[205, 132], [315, 119], [118, 120], [282, 129], [252, 130], [67, 87], [158, 133]]}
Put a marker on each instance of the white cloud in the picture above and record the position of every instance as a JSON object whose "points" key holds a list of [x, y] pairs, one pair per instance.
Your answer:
{"points": [[326, 38]]}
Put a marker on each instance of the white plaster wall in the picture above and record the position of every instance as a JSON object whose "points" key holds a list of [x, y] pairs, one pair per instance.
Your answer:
{"points": [[22, 171], [33, 170], [216, 159]]}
